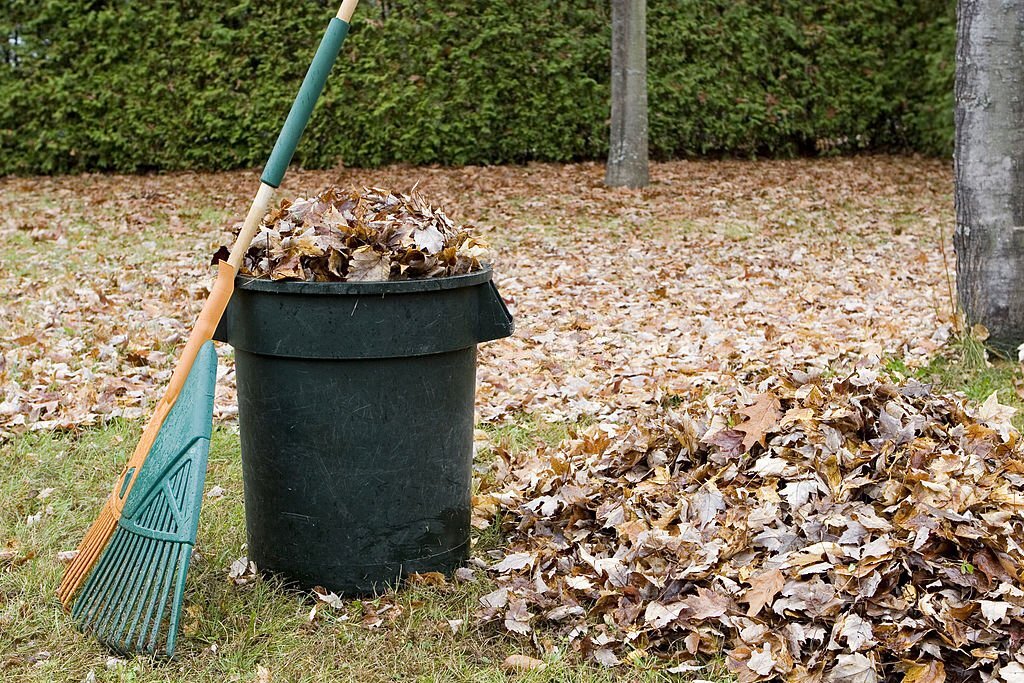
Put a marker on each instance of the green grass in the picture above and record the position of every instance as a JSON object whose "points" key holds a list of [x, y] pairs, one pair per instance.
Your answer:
{"points": [[230, 631], [966, 366]]}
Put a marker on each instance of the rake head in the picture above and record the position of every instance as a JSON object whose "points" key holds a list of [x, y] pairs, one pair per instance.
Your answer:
{"points": [[132, 599]]}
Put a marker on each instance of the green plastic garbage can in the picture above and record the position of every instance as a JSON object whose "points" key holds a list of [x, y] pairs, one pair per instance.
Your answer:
{"points": [[355, 408]]}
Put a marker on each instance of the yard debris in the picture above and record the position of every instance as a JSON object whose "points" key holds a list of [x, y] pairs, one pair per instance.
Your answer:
{"points": [[324, 596], [330, 598], [242, 571], [12, 559], [65, 556], [376, 612], [856, 530], [523, 663], [718, 266], [427, 579], [464, 574], [345, 236]]}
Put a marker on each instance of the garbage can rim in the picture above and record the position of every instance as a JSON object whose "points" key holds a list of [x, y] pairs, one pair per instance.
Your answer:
{"points": [[372, 287]]}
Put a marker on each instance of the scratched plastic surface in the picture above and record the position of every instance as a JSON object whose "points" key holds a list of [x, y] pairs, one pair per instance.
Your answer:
{"points": [[357, 464]]}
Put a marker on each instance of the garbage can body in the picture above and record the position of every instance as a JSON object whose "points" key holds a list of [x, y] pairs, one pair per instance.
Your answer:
{"points": [[356, 420]]}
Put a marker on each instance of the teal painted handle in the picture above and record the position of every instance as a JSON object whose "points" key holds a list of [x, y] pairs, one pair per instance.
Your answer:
{"points": [[309, 93]]}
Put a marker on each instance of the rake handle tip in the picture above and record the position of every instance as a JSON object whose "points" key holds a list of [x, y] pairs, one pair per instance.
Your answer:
{"points": [[346, 10]]}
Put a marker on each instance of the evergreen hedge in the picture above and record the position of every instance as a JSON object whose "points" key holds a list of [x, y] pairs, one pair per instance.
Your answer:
{"points": [[125, 85]]}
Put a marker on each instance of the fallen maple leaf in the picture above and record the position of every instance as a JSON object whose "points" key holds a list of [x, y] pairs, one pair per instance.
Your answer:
{"points": [[329, 597], [517, 618], [761, 661], [514, 561], [1012, 673], [764, 586], [706, 604], [659, 615], [434, 579], [368, 264], [64, 556], [996, 415], [242, 571]]}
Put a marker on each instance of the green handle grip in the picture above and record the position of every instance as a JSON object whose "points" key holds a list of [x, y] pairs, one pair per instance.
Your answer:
{"points": [[309, 93]]}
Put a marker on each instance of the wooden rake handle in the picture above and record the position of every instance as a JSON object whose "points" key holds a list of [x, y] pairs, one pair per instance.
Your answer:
{"points": [[273, 173]]}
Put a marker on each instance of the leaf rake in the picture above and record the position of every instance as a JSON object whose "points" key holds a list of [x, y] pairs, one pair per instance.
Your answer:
{"points": [[133, 584], [132, 599]]}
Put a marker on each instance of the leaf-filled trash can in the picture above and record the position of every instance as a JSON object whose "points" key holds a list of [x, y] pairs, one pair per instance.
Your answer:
{"points": [[355, 409]]}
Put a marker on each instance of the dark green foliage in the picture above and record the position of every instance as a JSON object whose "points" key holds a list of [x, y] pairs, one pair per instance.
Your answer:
{"points": [[928, 52], [167, 84]]}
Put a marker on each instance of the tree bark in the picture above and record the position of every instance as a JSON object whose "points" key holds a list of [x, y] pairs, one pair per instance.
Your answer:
{"points": [[627, 152], [989, 167]]}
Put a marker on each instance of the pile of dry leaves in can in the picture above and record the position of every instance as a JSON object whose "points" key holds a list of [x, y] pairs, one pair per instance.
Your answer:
{"points": [[340, 236], [806, 530]]}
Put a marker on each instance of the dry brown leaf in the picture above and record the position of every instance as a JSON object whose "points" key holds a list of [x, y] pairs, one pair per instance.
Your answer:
{"points": [[763, 416], [764, 586], [368, 264], [929, 672], [855, 668], [432, 579], [523, 663]]}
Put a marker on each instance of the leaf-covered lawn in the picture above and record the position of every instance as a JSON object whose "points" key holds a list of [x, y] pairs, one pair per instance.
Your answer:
{"points": [[716, 269], [695, 420]]}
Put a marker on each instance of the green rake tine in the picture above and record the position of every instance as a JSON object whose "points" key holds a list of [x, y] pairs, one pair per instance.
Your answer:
{"points": [[159, 604], [155, 550], [117, 610], [152, 590], [98, 579], [104, 580], [142, 591], [144, 597], [179, 586], [112, 609], [82, 606], [142, 564], [138, 597]]}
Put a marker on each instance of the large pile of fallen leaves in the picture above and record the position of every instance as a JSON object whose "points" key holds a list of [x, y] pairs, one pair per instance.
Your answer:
{"points": [[808, 529], [340, 236]]}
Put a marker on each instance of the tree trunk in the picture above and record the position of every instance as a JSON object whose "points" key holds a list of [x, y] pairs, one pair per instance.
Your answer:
{"points": [[627, 153], [989, 167]]}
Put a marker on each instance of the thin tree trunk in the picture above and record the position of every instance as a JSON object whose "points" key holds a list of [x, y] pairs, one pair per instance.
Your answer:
{"points": [[627, 153], [989, 166]]}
